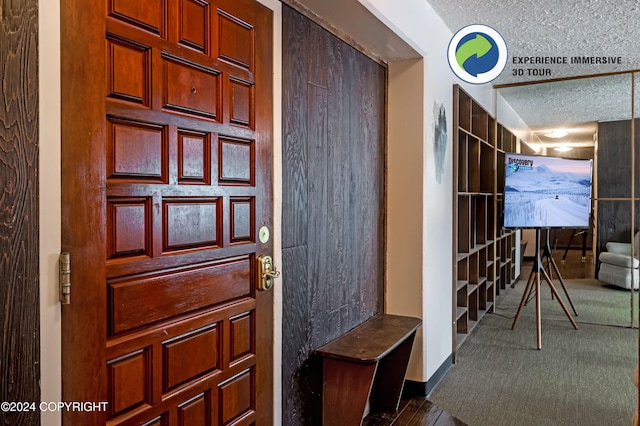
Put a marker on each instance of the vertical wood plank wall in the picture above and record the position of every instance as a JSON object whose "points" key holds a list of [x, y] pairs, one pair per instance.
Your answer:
{"points": [[333, 208], [19, 292], [614, 181]]}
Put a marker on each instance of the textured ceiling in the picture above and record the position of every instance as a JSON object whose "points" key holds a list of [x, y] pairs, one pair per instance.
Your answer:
{"points": [[554, 28], [572, 102], [540, 28]]}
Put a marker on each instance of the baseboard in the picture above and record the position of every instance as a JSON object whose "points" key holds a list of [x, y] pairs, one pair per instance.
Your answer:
{"points": [[437, 377], [414, 389]]}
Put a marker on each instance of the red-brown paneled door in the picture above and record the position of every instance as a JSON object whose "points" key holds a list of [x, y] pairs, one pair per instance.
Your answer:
{"points": [[167, 142]]}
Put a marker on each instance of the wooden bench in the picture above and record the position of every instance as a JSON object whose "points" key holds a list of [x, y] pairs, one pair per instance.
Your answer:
{"points": [[366, 365]]}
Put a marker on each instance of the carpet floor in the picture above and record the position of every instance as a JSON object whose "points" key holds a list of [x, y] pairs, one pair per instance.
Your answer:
{"points": [[579, 377]]}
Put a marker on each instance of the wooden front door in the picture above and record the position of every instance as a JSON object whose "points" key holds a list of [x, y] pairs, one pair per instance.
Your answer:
{"points": [[166, 177]]}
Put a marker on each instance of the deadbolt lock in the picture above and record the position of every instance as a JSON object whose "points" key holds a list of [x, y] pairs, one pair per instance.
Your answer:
{"points": [[267, 272]]}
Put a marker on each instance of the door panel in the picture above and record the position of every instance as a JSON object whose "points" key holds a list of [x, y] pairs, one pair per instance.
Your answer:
{"points": [[166, 179]]}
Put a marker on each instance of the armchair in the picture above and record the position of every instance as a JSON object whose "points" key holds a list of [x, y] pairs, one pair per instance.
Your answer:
{"points": [[617, 264]]}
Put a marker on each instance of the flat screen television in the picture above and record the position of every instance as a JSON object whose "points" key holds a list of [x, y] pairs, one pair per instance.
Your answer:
{"points": [[546, 192]]}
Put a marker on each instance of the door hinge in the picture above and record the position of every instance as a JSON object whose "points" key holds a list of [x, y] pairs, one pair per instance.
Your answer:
{"points": [[65, 278]]}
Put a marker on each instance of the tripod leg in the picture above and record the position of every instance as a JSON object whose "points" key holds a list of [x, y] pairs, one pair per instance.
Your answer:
{"points": [[530, 294], [554, 291], [524, 299], [529, 289], [555, 266], [549, 269], [538, 315]]}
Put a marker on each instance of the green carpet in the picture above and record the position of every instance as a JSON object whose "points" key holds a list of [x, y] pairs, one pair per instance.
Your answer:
{"points": [[580, 377]]}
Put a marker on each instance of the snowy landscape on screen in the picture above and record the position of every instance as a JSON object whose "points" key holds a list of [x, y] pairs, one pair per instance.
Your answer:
{"points": [[553, 192]]}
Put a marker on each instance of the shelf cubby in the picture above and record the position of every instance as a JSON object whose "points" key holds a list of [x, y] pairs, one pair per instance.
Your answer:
{"points": [[507, 141], [473, 224], [491, 214], [479, 121], [481, 219], [482, 263], [464, 111], [464, 222], [473, 164], [463, 155], [463, 299], [499, 216], [473, 269], [500, 172], [473, 303], [487, 167], [490, 295], [462, 323], [491, 131]]}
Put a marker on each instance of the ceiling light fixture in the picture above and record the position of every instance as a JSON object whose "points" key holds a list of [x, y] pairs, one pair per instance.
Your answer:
{"points": [[556, 133], [563, 148]]}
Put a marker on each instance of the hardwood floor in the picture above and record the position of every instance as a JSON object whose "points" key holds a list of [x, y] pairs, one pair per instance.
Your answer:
{"points": [[414, 412]]}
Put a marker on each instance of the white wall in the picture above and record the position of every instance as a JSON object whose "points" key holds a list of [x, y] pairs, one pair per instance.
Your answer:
{"points": [[50, 210], [438, 206]]}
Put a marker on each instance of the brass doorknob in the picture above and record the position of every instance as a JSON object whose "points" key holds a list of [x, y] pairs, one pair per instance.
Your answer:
{"points": [[267, 272]]}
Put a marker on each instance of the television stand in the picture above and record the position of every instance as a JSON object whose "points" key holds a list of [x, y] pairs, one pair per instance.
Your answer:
{"points": [[533, 284]]}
